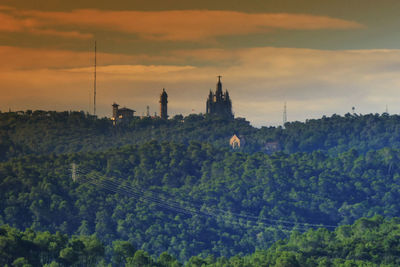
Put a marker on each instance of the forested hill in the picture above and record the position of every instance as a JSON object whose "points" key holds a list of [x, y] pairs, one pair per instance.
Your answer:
{"points": [[223, 203], [368, 242], [176, 185], [43, 132]]}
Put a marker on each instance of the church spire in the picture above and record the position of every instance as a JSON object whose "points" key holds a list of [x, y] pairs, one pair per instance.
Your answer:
{"points": [[220, 102], [218, 93]]}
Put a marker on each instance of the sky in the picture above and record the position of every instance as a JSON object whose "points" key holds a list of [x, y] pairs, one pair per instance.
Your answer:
{"points": [[320, 57]]}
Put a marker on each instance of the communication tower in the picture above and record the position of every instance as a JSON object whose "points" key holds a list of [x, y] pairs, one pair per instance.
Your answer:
{"points": [[284, 114], [94, 89]]}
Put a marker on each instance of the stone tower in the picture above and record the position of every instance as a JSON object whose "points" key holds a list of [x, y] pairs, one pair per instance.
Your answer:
{"points": [[163, 105], [219, 103], [115, 111]]}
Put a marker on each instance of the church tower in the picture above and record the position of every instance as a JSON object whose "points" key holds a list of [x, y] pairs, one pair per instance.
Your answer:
{"points": [[163, 105], [219, 103]]}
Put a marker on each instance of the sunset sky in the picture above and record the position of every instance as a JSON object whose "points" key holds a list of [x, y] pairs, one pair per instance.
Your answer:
{"points": [[321, 57]]}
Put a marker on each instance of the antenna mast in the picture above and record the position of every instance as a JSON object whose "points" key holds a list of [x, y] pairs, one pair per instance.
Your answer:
{"points": [[284, 115], [95, 63]]}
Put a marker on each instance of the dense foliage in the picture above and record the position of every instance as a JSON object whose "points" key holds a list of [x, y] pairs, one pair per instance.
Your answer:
{"points": [[175, 186], [32, 248], [44, 132], [301, 188], [368, 242]]}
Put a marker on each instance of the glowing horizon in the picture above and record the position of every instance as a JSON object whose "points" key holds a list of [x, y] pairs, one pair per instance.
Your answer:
{"points": [[319, 58]]}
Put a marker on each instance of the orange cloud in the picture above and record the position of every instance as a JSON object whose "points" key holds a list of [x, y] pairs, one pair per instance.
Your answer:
{"points": [[179, 25], [64, 34], [18, 58], [140, 71], [6, 8], [192, 25], [11, 21]]}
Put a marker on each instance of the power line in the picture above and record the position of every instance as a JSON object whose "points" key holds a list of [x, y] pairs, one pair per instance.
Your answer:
{"points": [[186, 208], [192, 213], [198, 209]]}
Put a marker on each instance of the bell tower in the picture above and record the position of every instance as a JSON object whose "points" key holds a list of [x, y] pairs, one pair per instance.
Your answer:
{"points": [[115, 111], [163, 105]]}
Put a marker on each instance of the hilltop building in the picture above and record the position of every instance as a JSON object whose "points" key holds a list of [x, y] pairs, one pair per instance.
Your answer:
{"points": [[219, 103], [163, 105], [121, 115], [235, 141]]}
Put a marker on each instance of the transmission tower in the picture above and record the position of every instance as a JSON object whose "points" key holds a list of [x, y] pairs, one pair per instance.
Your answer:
{"points": [[73, 172], [95, 65], [284, 115]]}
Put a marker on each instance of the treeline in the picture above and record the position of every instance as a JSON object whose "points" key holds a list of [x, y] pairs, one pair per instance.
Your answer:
{"points": [[368, 242], [33, 248], [43, 132], [270, 195], [30, 248], [338, 134]]}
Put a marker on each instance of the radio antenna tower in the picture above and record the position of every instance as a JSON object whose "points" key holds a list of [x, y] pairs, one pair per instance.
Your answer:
{"points": [[284, 115], [95, 65]]}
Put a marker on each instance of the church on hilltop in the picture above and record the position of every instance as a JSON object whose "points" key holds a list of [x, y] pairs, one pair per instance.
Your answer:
{"points": [[219, 103]]}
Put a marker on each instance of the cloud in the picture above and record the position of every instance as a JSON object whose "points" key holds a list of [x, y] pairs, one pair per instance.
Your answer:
{"points": [[136, 72], [12, 21], [63, 34], [6, 8], [312, 82], [17, 58], [191, 25], [9, 23], [172, 25]]}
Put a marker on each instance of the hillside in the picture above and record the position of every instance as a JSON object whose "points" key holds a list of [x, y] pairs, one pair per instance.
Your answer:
{"points": [[266, 196], [368, 242], [44, 132], [176, 186]]}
